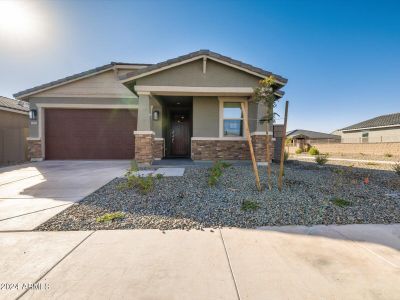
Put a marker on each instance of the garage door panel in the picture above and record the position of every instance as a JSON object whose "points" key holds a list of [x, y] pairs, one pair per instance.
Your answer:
{"points": [[90, 133]]}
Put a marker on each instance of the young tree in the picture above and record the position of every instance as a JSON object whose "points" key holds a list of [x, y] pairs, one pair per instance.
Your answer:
{"points": [[264, 93]]}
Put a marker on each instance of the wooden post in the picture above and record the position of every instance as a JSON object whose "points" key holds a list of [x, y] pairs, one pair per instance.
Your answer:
{"points": [[253, 158], [268, 154], [283, 147]]}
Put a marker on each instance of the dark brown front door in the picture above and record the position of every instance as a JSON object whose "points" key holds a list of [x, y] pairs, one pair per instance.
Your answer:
{"points": [[180, 135], [90, 133]]}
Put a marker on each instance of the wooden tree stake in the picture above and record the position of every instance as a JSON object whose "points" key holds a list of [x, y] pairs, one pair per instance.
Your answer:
{"points": [[253, 158], [268, 151], [283, 147]]}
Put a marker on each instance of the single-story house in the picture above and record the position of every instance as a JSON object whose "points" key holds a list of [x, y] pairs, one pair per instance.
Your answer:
{"points": [[14, 124], [385, 128], [189, 106], [301, 137]]}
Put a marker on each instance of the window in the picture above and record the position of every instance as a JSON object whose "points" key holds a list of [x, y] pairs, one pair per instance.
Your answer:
{"points": [[232, 119], [364, 137]]}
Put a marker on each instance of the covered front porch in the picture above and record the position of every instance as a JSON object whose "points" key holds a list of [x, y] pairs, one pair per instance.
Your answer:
{"points": [[193, 107]]}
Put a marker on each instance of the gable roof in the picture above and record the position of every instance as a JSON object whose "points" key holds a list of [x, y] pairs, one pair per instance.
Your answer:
{"points": [[380, 121], [198, 54], [13, 105], [67, 79], [311, 134]]}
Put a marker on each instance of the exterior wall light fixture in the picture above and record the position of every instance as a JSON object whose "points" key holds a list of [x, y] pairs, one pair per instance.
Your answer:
{"points": [[33, 114], [156, 115]]}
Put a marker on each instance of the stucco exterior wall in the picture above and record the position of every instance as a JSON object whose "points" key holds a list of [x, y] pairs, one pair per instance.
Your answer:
{"points": [[103, 84], [205, 117], [157, 126], [191, 74], [33, 101], [391, 134]]}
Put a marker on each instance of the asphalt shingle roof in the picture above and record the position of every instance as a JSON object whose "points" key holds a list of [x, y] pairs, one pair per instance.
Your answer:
{"points": [[14, 104], [151, 67], [381, 121], [312, 134]]}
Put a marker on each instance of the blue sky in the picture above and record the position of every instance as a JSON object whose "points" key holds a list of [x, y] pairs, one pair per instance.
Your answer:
{"points": [[341, 57]]}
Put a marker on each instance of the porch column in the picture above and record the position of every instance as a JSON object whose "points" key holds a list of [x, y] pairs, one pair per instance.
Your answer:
{"points": [[144, 136], [144, 113]]}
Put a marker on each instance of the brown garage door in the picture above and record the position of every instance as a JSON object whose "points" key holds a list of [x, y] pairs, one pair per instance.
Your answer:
{"points": [[90, 133]]}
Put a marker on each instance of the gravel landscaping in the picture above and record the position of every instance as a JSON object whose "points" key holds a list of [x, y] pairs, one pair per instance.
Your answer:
{"points": [[311, 194]]}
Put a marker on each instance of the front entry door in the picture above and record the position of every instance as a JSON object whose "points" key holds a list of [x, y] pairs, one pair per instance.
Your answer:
{"points": [[180, 135]]}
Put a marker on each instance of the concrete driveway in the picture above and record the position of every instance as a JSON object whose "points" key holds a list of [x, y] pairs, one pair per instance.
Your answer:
{"points": [[32, 193], [294, 262]]}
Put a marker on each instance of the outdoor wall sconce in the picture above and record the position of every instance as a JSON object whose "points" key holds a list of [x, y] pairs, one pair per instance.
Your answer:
{"points": [[156, 115], [33, 114]]}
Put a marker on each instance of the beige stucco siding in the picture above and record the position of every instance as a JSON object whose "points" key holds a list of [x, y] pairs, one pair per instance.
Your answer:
{"points": [[374, 135], [101, 85], [34, 101], [205, 117], [191, 74]]}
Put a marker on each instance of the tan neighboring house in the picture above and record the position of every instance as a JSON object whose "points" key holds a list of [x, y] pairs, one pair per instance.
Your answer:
{"points": [[14, 125], [382, 129], [189, 106]]}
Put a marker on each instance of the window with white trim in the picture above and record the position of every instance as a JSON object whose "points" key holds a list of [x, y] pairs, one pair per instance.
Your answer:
{"points": [[232, 119]]}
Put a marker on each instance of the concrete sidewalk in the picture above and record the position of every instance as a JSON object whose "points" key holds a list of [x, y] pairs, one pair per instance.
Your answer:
{"points": [[294, 262], [30, 194]]}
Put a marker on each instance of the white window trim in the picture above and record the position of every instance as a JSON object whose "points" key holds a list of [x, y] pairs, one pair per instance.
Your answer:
{"points": [[221, 113]]}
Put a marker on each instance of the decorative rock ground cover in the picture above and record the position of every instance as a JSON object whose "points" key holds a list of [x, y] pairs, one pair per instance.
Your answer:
{"points": [[311, 195]]}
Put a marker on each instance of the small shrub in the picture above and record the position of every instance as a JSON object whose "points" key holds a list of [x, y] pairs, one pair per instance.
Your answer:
{"points": [[341, 202], [110, 217], [144, 184], [216, 172], [313, 151], [388, 155], [249, 205], [299, 151], [159, 176], [321, 159], [396, 168]]}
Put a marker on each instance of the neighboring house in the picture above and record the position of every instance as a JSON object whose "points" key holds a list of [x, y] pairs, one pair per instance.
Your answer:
{"points": [[13, 130], [381, 129], [189, 106], [301, 137]]}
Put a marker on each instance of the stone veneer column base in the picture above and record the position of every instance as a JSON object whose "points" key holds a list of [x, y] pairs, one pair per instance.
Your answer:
{"points": [[144, 147], [230, 149], [35, 150], [158, 148]]}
